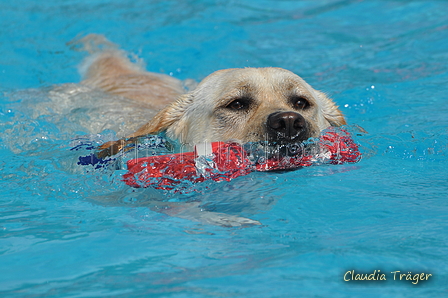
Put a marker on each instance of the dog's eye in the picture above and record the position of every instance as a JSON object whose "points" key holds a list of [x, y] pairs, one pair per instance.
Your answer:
{"points": [[299, 103], [238, 104]]}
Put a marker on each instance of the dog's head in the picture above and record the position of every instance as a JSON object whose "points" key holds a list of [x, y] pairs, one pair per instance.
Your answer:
{"points": [[247, 105]]}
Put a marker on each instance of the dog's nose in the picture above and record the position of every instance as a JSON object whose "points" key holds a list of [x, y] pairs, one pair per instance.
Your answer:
{"points": [[287, 125]]}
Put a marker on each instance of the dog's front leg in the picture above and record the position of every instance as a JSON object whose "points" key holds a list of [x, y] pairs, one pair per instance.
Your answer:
{"points": [[193, 211]]}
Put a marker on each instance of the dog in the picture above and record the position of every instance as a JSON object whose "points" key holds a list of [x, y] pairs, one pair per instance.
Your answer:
{"points": [[238, 105]]}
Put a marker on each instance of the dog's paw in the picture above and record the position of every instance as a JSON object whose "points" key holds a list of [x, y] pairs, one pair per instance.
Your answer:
{"points": [[225, 220], [192, 211]]}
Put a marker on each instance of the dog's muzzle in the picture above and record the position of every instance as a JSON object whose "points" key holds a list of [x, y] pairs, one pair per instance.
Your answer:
{"points": [[287, 127]]}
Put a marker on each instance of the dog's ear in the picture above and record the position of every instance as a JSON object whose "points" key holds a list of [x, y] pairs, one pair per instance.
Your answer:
{"points": [[170, 118], [331, 111]]}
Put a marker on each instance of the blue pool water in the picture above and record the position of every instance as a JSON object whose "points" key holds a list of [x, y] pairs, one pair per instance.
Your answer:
{"points": [[69, 231]]}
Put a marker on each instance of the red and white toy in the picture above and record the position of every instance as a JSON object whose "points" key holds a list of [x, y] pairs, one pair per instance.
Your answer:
{"points": [[220, 161]]}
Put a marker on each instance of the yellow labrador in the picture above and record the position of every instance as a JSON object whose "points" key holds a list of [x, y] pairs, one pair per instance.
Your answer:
{"points": [[242, 105]]}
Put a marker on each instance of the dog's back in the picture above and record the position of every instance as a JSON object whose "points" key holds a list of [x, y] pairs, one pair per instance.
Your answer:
{"points": [[109, 69]]}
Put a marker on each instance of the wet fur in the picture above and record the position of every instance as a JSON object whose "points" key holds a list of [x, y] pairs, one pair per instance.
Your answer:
{"points": [[201, 115]]}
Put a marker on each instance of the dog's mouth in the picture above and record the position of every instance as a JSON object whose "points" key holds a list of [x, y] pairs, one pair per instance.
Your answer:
{"points": [[286, 135], [276, 150], [281, 149]]}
